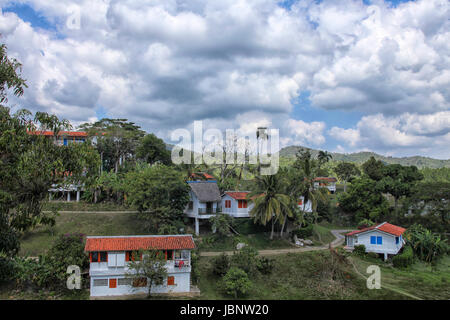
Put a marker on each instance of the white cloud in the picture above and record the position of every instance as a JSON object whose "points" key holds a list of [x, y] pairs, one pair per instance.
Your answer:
{"points": [[164, 64]]}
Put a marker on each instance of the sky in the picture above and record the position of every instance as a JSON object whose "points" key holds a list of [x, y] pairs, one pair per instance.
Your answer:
{"points": [[343, 76]]}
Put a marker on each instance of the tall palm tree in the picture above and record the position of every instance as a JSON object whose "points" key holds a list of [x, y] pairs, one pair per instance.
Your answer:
{"points": [[308, 167], [269, 203], [323, 157]]}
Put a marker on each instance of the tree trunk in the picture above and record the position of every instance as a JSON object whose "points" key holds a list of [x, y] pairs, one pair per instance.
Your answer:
{"points": [[282, 227], [273, 224], [345, 186]]}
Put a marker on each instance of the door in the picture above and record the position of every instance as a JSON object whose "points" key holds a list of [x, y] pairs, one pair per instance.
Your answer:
{"points": [[209, 207], [113, 283]]}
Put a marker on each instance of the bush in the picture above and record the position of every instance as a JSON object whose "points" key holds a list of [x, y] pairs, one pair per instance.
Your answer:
{"points": [[236, 282], [360, 250], [365, 223], [245, 259], [221, 264], [372, 255], [7, 269], [404, 259], [304, 232], [247, 226], [265, 265]]}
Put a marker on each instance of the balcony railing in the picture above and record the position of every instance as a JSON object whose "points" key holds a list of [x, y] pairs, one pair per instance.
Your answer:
{"points": [[209, 210]]}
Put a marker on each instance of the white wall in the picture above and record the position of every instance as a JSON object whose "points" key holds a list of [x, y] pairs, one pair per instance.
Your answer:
{"points": [[235, 211], [388, 246]]}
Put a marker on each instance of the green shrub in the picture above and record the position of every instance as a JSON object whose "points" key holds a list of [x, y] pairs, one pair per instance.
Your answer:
{"points": [[265, 265], [221, 264], [365, 223], [245, 259], [236, 282], [372, 255], [360, 250], [404, 259], [247, 226], [304, 232]]}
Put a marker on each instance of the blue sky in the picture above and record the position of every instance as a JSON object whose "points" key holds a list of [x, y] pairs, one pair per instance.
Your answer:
{"points": [[330, 75]]}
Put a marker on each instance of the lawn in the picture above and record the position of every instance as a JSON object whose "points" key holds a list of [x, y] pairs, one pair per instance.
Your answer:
{"points": [[37, 241], [420, 279], [299, 276], [83, 206]]}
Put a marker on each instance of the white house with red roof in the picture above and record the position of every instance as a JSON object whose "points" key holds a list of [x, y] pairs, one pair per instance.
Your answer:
{"points": [[110, 257], [236, 204], [326, 182], [384, 238]]}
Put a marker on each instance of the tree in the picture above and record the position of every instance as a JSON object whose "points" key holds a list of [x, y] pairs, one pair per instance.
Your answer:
{"points": [[269, 203], [345, 171], [308, 167], [151, 267], [221, 224], [399, 180], [151, 149], [374, 169], [10, 75], [364, 200], [323, 157], [427, 246], [115, 139], [160, 194], [236, 282]]}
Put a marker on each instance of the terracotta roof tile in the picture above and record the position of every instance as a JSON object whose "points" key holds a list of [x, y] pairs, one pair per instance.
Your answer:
{"points": [[139, 243], [238, 195], [385, 227]]}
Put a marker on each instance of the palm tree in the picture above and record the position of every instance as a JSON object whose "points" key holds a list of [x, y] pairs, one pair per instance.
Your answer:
{"points": [[269, 203], [308, 167], [323, 157]]}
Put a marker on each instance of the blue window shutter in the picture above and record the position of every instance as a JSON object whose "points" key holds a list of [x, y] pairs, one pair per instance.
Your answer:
{"points": [[65, 142], [379, 240], [373, 240], [397, 239]]}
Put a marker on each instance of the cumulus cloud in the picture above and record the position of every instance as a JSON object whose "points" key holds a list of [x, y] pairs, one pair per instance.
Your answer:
{"points": [[402, 134], [165, 64]]}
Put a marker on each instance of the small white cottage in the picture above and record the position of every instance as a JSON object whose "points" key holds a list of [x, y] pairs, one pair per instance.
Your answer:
{"points": [[306, 207], [110, 256], [205, 201], [384, 238], [236, 204]]}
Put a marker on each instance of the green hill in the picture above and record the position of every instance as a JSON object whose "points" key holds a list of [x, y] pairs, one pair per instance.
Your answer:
{"points": [[360, 157]]}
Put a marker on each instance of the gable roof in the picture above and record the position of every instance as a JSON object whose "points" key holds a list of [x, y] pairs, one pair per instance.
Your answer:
{"points": [[385, 227], [205, 191], [124, 243], [200, 175], [238, 195], [329, 179]]}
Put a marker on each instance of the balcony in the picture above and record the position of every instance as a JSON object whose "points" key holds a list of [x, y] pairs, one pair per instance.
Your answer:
{"points": [[209, 210]]}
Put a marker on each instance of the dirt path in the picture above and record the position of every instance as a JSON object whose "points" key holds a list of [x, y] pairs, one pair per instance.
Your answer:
{"points": [[336, 233]]}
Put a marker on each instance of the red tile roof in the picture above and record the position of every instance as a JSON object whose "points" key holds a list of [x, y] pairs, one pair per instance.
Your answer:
{"points": [[238, 195], [385, 227], [61, 133], [200, 174], [330, 179], [139, 243]]}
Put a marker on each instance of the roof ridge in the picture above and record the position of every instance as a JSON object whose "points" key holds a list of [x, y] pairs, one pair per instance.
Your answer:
{"points": [[380, 224]]}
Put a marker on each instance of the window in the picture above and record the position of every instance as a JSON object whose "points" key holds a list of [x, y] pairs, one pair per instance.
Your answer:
{"points": [[227, 203], [133, 256], [242, 203], [103, 256], [177, 254], [140, 282], [97, 256], [191, 205], [169, 254], [379, 240], [113, 283], [124, 282], [397, 240], [300, 202], [100, 282], [373, 240], [170, 280]]}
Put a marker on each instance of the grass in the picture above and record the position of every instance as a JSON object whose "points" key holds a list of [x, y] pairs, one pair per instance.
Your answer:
{"points": [[83, 206], [258, 240], [299, 276], [39, 240], [420, 279]]}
